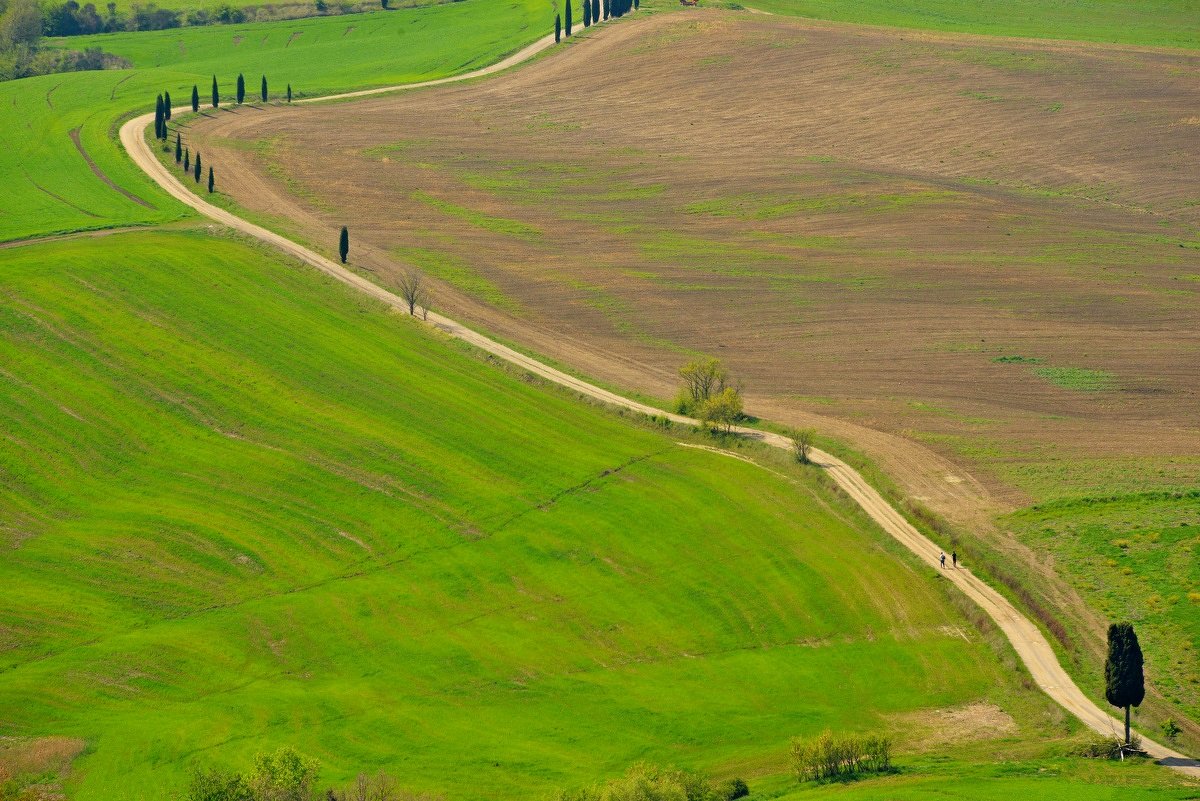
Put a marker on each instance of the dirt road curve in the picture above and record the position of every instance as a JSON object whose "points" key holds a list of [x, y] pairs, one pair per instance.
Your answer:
{"points": [[1025, 637]]}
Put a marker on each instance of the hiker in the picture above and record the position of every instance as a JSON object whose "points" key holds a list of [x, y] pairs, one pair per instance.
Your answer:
{"points": [[954, 558], [942, 559]]}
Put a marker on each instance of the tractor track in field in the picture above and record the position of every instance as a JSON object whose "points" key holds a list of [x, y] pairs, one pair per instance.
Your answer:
{"points": [[1024, 636]]}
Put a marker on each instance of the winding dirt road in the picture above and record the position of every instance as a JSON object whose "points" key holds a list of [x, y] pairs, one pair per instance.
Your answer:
{"points": [[1026, 638]]}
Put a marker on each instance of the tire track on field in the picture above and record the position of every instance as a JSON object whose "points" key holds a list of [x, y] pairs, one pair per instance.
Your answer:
{"points": [[1027, 640]]}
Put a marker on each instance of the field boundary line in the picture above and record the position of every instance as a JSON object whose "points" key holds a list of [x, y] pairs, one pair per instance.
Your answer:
{"points": [[1026, 638]]}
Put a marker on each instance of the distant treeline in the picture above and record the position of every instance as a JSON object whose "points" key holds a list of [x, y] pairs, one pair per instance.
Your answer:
{"points": [[21, 53]]}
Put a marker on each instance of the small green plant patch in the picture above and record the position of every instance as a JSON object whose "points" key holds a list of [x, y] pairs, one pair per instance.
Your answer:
{"points": [[1077, 378]]}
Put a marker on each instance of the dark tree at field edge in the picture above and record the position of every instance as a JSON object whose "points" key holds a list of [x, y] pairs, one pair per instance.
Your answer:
{"points": [[557, 29], [166, 105], [196, 167], [587, 13], [216, 98], [195, 98], [289, 93], [210, 180], [344, 244], [264, 89], [1124, 682], [567, 21], [178, 147], [241, 89]]}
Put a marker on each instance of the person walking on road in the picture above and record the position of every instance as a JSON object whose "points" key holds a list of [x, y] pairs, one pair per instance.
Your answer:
{"points": [[942, 559], [954, 558]]}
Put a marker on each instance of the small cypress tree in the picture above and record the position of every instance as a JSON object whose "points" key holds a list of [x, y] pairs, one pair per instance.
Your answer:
{"points": [[195, 98], [567, 26], [187, 160], [210, 180], [158, 118], [344, 244], [196, 167], [264, 89], [384, 3], [241, 89], [178, 148], [1124, 682], [557, 29], [289, 93], [166, 105], [587, 13], [216, 100], [595, 10]]}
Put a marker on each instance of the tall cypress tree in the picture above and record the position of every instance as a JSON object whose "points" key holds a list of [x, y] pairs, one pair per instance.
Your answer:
{"points": [[289, 93], [241, 89], [1124, 682], [158, 118], [557, 29], [196, 167], [187, 160], [217, 95], [166, 105], [264, 89], [195, 98], [178, 148], [587, 13], [210, 181], [595, 10], [344, 244], [605, 4], [567, 26]]}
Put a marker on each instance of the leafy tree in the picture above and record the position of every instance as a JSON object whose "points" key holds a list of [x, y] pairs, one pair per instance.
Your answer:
{"points": [[178, 148], [344, 244], [210, 180], [166, 105], [196, 167], [195, 98], [722, 410], [285, 775], [241, 89], [289, 93], [802, 439], [264, 89], [587, 13], [702, 379], [557, 29], [1124, 682], [216, 97]]}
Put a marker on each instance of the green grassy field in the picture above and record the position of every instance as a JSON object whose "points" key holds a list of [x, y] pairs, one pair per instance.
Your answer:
{"points": [[51, 188], [247, 507], [1165, 23]]}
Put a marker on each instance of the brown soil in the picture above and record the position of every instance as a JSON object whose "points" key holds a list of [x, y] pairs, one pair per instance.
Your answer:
{"points": [[860, 222]]}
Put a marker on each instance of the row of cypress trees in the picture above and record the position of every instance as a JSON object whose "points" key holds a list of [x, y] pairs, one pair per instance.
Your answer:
{"points": [[592, 10], [216, 94]]}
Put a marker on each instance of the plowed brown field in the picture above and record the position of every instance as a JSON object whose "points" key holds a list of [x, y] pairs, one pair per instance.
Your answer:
{"points": [[977, 259]]}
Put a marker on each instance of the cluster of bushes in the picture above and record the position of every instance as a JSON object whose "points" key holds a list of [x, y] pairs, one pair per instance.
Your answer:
{"points": [[708, 396], [72, 19], [21, 54], [285, 775], [832, 756], [645, 782]]}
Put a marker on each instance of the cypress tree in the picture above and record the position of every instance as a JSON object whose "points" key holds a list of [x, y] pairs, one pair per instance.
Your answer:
{"points": [[210, 181], [241, 89], [557, 29], [635, 4], [264, 89], [166, 105], [344, 244], [605, 4], [217, 95], [568, 19], [587, 13], [1124, 682], [158, 118], [178, 148], [595, 10], [195, 98], [289, 93], [187, 160], [196, 167]]}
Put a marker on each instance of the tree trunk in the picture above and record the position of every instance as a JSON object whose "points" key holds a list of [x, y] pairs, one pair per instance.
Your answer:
{"points": [[1126, 725]]}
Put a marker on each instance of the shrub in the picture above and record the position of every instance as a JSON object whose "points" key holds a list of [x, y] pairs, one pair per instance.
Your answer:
{"points": [[1171, 729], [1100, 746], [831, 756], [644, 782], [731, 790]]}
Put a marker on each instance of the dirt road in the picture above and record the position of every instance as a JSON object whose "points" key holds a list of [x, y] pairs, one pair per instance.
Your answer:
{"points": [[1026, 638]]}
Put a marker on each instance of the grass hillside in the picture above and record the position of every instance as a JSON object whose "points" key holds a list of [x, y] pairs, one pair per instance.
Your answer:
{"points": [[50, 187], [244, 507], [1164, 23]]}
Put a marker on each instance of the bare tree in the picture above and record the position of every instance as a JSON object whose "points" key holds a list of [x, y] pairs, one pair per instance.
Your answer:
{"points": [[412, 289], [802, 439]]}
